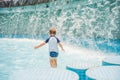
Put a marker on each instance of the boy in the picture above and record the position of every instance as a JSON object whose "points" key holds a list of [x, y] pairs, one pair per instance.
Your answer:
{"points": [[53, 47]]}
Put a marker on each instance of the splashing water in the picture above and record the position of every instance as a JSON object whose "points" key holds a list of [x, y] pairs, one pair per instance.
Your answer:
{"points": [[87, 23]]}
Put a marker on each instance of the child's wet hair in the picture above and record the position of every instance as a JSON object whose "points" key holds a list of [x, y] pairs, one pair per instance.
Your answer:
{"points": [[52, 31]]}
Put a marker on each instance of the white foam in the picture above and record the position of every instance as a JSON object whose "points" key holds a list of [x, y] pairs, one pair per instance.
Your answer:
{"points": [[69, 49]]}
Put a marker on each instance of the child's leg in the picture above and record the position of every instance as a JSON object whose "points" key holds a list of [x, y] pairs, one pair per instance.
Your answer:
{"points": [[53, 63]]}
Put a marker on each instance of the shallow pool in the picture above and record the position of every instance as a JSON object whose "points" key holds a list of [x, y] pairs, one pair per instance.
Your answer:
{"points": [[19, 54]]}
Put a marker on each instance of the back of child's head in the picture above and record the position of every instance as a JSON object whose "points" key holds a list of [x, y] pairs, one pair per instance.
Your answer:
{"points": [[52, 31]]}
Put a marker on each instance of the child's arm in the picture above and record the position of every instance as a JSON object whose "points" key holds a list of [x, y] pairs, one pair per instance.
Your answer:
{"points": [[61, 46], [40, 45]]}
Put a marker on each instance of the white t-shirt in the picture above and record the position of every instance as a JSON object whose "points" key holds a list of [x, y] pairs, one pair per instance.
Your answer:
{"points": [[53, 44]]}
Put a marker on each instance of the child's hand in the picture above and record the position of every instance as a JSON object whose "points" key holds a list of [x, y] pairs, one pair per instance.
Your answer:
{"points": [[35, 47], [63, 50], [40, 45]]}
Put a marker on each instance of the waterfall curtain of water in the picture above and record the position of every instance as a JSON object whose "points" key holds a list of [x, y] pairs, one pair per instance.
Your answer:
{"points": [[87, 23]]}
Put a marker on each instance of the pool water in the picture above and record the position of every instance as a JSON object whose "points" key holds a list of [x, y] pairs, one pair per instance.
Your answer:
{"points": [[19, 54], [89, 29]]}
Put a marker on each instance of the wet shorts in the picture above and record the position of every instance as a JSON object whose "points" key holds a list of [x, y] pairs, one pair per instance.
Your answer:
{"points": [[53, 54]]}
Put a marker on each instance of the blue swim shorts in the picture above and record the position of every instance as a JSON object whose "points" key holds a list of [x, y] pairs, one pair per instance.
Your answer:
{"points": [[53, 54]]}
